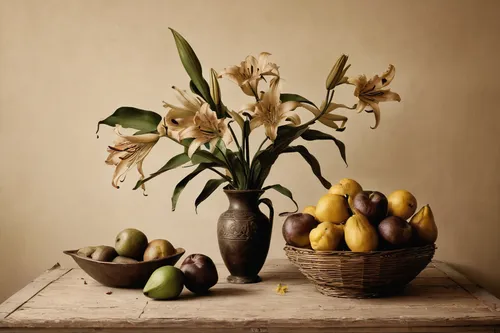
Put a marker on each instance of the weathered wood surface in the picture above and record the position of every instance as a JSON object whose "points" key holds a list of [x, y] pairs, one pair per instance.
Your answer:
{"points": [[67, 300]]}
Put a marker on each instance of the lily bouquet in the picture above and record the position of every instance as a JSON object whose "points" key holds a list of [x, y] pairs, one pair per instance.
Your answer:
{"points": [[215, 138]]}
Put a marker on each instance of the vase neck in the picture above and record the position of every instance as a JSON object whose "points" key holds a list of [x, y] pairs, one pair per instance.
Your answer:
{"points": [[244, 199]]}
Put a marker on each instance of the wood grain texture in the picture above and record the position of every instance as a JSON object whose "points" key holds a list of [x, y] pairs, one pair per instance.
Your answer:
{"points": [[28, 292], [438, 300]]}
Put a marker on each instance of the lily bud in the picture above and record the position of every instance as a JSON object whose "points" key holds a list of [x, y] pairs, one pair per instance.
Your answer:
{"points": [[337, 73], [214, 87]]}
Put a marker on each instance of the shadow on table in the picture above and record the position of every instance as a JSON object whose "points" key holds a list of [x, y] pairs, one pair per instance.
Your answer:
{"points": [[216, 292]]}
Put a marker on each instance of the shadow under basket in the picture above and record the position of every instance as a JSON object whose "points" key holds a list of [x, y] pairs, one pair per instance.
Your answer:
{"points": [[361, 275]]}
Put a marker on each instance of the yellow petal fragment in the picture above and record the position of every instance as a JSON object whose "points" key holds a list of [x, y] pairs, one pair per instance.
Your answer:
{"points": [[281, 289]]}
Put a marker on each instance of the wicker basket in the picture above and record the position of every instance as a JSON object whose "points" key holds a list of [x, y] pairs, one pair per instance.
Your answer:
{"points": [[361, 275]]}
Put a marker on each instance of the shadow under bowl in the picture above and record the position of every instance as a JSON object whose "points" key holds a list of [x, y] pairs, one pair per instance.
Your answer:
{"points": [[133, 275]]}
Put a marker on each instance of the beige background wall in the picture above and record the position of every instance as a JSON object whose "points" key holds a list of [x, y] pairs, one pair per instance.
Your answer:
{"points": [[66, 64]]}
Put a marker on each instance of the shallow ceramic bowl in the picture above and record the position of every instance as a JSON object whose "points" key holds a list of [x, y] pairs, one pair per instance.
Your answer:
{"points": [[123, 275]]}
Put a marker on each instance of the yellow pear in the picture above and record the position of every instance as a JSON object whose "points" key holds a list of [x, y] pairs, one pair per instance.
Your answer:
{"points": [[360, 235], [424, 225], [401, 203], [351, 187], [311, 210], [332, 208], [346, 186], [326, 236], [337, 189]]}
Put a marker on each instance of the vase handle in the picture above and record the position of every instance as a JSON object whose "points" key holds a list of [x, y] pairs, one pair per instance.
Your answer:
{"points": [[269, 205]]}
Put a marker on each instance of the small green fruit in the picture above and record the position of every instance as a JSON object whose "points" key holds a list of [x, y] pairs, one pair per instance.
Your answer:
{"points": [[166, 282], [86, 251], [131, 243]]}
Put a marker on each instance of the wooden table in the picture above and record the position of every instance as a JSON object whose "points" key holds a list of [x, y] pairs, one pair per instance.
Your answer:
{"points": [[68, 300]]}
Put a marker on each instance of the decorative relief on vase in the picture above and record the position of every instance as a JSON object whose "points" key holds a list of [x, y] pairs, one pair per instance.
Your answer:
{"points": [[240, 225]]}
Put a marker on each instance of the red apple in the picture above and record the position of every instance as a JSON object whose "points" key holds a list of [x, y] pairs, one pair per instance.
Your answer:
{"points": [[296, 229], [371, 204], [200, 273]]}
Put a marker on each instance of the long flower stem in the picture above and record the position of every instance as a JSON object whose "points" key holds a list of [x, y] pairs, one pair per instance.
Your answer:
{"points": [[247, 150], [234, 136], [260, 147], [328, 100], [254, 93]]}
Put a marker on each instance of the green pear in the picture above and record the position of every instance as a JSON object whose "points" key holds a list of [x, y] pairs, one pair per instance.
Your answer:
{"points": [[424, 225], [131, 243], [104, 253], [124, 260], [86, 251], [166, 282]]}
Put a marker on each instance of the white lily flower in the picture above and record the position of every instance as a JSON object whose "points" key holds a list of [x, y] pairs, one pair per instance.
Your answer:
{"points": [[270, 112], [206, 128], [179, 118], [248, 74], [329, 119], [129, 151], [371, 92]]}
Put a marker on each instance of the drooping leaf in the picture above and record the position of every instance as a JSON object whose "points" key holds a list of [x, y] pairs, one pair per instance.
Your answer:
{"points": [[295, 98], [182, 184], [311, 135], [174, 162], [286, 135], [130, 117], [193, 67], [286, 192], [209, 188], [312, 161]]}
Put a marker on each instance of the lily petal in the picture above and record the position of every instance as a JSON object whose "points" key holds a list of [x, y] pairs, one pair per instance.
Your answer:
{"points": [[334, 106], [388, 75], [187, 100], [376, 112], [271, 132], [193, 147], [289, 106], [293, 118], [361, 106], [254, 123], [388, 96]]}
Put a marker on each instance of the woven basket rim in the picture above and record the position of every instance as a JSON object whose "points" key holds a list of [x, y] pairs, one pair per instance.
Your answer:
{"points": [[378, 252]]}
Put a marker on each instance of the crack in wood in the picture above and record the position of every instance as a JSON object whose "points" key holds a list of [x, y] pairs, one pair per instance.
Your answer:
{"points": [[143, 309], [39, 291]]}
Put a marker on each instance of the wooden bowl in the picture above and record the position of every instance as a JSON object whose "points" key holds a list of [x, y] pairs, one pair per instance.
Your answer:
{"points": [[123, 275]]}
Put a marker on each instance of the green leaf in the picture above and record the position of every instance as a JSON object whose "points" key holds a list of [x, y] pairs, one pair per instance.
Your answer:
{"points": [[209, 188], [312, 161], [262, 167], [237, 169], [130, 117], [286, 135], [193, 88], [311, 135], [182, 184], [204, 156], [193, 67], [286, 192], [295, 98], [174, 162]]}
